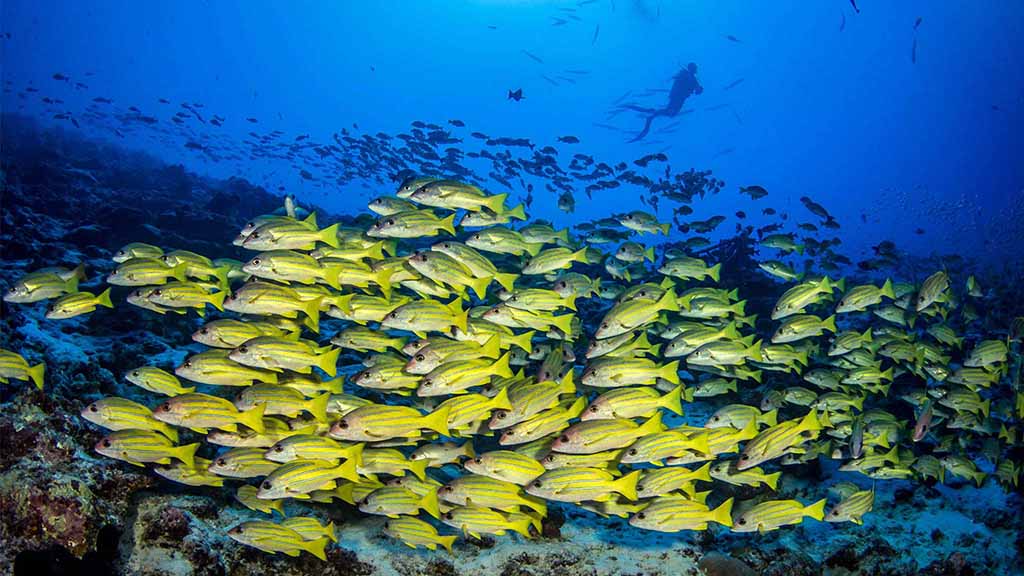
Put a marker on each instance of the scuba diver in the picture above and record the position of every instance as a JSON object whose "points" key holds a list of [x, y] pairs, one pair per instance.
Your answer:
{"points": [[684, 84]]}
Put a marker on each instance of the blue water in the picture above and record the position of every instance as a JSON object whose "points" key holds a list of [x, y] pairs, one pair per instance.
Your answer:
{"points": [[831, 104]]}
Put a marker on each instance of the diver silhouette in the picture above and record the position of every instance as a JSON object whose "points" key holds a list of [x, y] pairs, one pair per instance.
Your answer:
{"points": [[684, 84]]}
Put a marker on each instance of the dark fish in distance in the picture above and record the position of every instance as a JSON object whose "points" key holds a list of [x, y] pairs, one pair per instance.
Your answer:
{"points": [[913, 51], [457, 123], [754, 192], [732, 38], [842, 23], [569, 139], [854, 4], [550, 80], [252, 120], [917, 22], [597, 31], [533, 56], [61, 77], [516, 95], [733, 84]]}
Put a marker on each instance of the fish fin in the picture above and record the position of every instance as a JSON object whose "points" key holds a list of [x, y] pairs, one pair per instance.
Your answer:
{"points": [[104, 299], [501, 401], [665, 228], [651, 426], [723, 514], [501, 367], [577, 407], [524, 340], [447, 542], [336, 385], [536, 504], [310, 220], [71, 284], [533, 248], [579, 255], [491, 348], [672, 401], [887, 289], [810, 421], [668, 301], [816, 510], [419, 468], [429, 503], [730, 332], [479, 286], [318, 406], [703, 473], [754, 351], [830, 324], [187, 454], [985, 407], [253, 418], [670, 372], [331, 532], [507, 281], [460, 316], [222, 276], [649, 253], [519, 212], [312, 311], [448, 224], [36, 374], [627, 485], [178, 272], [316, 547], [329, 235], [79, 272], [570, 301], [328, 362], [496, 203], [715, 271], [437, 421], [170, 432], [771, 418], [563, 323], [772, 480], [330, 276], [567, 386], [348, 470]]}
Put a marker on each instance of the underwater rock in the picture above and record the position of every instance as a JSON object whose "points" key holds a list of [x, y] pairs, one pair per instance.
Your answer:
{"points": [[716, 564]]}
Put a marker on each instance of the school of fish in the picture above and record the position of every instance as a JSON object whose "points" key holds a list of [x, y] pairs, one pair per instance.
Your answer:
{"points": [[500, 366]]}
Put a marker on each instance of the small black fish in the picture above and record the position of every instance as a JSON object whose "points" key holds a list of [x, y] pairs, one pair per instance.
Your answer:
{"points": [[917, 22], [164, 101], [61, 77], [733, 84], [913, 52], [919, 231], [457, 123], [569, 139], [533, 56], [732, 38], [741, 214], [597, 31], [251, 120], [854, 4], [516, 95]]}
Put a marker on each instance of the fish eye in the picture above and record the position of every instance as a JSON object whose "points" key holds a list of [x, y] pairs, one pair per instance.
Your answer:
{"points": [[391, 221], [106, 443], [243, 349], [420, 357], [510, 433], [250, 225], [445, 488], [604, 324], [742, 521], [393, 315], [632, 452], [157, 292], [641, 515], [448, 516], [501, 415], [93, 408], [120, 252], [425, 383], [51, 307], [563, 438], [478, 460], [343, 425], [549, 458], [536, 484], [188, 364], [135, 373], [255, 261], [476, 236], [593, 408], [221, 462], [166, 407], [266, 485]]}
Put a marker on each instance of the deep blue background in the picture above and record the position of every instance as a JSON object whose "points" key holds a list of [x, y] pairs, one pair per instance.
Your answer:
{"points": [[844, 117]]}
